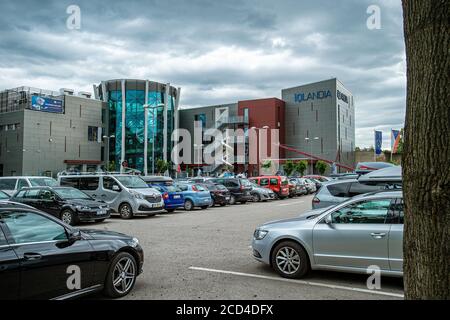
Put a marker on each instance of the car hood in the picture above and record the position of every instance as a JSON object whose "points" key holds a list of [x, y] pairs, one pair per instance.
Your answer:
{"points": [[105, 235], [306, 216], [146, 191], [88, 203]]}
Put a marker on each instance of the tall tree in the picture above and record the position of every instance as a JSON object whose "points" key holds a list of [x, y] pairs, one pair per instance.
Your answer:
{"points": [[426, 153]]}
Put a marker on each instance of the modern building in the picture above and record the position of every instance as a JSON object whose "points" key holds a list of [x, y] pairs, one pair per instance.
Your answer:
{"points": [[125, 99], [320, 121], [44, 132]]}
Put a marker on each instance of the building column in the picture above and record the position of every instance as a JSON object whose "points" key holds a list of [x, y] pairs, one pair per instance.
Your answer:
{"points": [[177, 117], [122, 149], [166, 106], [146, 129]]}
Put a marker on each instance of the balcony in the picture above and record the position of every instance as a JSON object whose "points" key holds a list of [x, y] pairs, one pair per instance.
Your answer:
{"points": [[230, 120]]}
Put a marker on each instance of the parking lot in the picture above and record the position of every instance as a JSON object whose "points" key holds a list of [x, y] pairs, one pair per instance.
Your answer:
{"points": [[206, 254]]}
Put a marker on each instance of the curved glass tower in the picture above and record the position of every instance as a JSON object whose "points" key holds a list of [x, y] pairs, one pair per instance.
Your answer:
{"points": [[125, 99]]}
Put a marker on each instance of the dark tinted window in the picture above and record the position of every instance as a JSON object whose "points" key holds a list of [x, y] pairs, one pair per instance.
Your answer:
{"points": [[28, 227], [90, 183], [273, 182], [264, 182], [182, 187], [359, 188], [70, 182], [32, 194], [8, 184], [231, 183], [46, 195], [339, 189]]}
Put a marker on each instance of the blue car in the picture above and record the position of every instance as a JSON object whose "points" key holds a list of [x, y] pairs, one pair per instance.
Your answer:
{"points": [[172, 196], [195, 195]]}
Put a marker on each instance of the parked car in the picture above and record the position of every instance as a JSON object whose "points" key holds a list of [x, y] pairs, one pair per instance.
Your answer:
{"points": [[366, 167], [172, 196], [12, 184], [38, 250], [318, 178], [261, 194], [390, 178], [338, 191], [317, 183], [220, 194], [127, 195], [239, 188], [343, 176], [195, 195], [363, 231], [300, 186], [310, 185], [68, 204], [4, 196], [278, 184], [158, 180]]}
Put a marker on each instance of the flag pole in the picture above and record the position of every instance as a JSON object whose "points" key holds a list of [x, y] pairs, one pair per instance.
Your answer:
{"points": [[392, 147]]}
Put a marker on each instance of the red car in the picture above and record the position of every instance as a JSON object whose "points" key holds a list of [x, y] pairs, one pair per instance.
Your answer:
{"points": [[278, 184]]}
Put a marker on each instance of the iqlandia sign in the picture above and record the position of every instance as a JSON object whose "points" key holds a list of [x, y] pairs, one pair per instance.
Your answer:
{"points": [[319, 95]]}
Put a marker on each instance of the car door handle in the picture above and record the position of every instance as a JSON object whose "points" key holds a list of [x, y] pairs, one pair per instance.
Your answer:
{"points": [[32, 256], [378, 235]]}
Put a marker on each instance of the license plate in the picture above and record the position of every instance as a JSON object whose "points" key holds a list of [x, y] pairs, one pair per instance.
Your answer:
{"points": [[227, 198], [177, 197], [101, 212], [156, 205]]}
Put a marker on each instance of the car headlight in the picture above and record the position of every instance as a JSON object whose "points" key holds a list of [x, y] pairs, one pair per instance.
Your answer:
{"points": [[138, 195], [260, 234], [134, 242], [83, 208]]}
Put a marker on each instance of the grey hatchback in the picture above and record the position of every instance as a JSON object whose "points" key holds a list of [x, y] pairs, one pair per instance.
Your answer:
{"points": [[364, 231]]}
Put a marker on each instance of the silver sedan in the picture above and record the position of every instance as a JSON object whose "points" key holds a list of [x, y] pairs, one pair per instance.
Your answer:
{"points": [[359, 233]]}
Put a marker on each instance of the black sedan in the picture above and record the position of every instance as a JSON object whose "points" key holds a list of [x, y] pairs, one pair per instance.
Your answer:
{"points": [[43, 258], [69, 204], [220, 195]]}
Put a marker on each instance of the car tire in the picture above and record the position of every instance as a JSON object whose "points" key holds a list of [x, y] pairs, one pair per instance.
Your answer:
{"points": [[232, 200], [204, 207], [69, 217], [125, 211], [188, 205], [116, 285], [290, 260]]}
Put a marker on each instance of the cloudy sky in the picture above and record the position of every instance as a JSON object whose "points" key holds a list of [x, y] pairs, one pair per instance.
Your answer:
{"points": [[217, 51]]}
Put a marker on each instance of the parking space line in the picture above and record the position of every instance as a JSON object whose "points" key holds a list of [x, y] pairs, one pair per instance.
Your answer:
{"points": [[316, 284], [290, 204]]}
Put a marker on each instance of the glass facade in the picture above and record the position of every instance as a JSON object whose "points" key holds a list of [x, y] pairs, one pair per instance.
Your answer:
{"points": [[134, 123]]}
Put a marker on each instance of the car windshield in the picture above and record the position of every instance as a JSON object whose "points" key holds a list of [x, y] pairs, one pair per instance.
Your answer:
{"points": [[210, 187], [71, 194], [43, 182], [132, 182], [246, 183], [3, 196], [173, 189], [221, 187]]}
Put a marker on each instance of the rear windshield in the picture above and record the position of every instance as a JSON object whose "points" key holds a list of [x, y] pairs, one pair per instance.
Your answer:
{"points": [[339, 189]]}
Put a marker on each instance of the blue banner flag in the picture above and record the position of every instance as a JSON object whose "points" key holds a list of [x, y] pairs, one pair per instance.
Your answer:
{"points": [[378, 142]]}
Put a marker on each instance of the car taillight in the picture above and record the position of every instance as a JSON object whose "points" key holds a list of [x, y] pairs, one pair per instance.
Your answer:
{"points": [[316, 200], [165, 196]]}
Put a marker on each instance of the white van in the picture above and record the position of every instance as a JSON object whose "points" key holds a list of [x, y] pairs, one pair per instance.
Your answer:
{"points": [[11, 185], [127, 195]]}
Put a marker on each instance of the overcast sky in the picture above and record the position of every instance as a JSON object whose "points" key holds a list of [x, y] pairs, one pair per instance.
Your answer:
{"points": [[217, 51]]}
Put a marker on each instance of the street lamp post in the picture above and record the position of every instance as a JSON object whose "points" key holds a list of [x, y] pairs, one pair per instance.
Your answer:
{"points": [[107, 138], [152, 108], [310, 154]]}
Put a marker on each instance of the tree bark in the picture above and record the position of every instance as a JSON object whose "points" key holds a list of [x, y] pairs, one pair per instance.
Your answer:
{"points": [[426, 154]]}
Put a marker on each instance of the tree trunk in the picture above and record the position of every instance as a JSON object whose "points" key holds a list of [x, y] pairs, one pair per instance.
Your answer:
{"points": [[426, 154]]}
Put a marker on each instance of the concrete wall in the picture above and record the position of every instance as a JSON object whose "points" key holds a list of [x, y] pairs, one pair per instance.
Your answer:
{"points": [[11, 144]]}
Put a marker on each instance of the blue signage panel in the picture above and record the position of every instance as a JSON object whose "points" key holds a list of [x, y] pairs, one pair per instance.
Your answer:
{"points": [[378, 142], [46, 105], [321, 94]]}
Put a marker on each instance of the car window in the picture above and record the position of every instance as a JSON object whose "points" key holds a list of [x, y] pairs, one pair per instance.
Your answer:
{"points": [[173, 189], [231, 183], [3, 196], [46, 195], [43, 182], [22, 184], [70, 182], [32, 194], [109, 183], [90, 183], [8, 184], [273, 182], [264, 182], [398, 207], [2, 238], [339, 189], [199, 187], [29, 227], [357, 188], [183, 187], [370, 211]]}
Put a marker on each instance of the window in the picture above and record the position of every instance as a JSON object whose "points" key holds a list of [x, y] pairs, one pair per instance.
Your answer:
{"points": [[372, 211], [90, 183], [8, 184], [17, 125], [22, 184], [21, 194], [339, 189], [29, 227], [32, 194], [46, 195], [109, 183], [357, 188], [398, 207], [94, 134], [70, 182], [264, 182], [231, 184], [273, 182]]}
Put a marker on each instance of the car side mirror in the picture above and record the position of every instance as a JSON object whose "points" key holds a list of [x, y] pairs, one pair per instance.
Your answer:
{"points": [[74, 236], [328, 220]]}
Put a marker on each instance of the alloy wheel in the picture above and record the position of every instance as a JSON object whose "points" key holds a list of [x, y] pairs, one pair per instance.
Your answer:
{"points": [[288, 260], [124, 275], [66, 217]]}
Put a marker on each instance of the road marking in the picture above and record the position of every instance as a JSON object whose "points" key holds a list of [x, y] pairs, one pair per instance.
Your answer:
{"points": [[316, 284], [290, 204]]}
